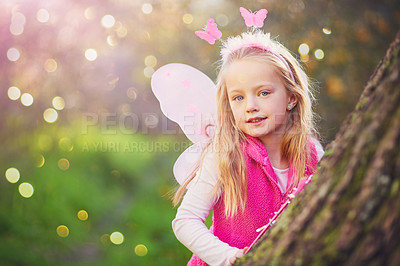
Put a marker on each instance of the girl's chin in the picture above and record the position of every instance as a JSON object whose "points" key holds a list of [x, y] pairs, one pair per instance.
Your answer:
{"points": [[262, 133], [257, 133]]}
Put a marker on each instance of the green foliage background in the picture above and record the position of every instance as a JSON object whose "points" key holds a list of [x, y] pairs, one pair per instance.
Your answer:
{"points": [[123, 189]]}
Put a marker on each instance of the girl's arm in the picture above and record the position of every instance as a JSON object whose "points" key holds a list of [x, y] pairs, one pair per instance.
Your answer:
{"points": [[189, 225]]}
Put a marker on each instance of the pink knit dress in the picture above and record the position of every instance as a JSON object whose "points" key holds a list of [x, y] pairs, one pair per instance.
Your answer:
{"points": [[263, 198]]}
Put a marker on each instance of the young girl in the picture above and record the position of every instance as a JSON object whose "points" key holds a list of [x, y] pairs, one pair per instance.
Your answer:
{"points": [[264, 144]]}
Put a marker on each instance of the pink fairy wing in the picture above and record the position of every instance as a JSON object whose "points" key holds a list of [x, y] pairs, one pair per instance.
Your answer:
{"points": [[186, 162], [259, 17], [188, 97]]}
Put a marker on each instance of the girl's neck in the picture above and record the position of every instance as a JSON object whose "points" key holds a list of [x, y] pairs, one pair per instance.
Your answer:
{"points": [[273, 146]]}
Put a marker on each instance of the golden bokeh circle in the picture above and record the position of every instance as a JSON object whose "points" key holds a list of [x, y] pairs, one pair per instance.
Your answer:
{"points": [[50, 65], [83, 215], [141, 250], [63, 164], [62, 231]]}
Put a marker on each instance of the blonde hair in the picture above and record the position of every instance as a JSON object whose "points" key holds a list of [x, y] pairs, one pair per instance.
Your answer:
{"points": [[229, 139]]}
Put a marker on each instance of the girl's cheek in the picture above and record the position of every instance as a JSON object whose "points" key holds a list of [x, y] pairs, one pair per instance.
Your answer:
{"points": [[236, 116]]}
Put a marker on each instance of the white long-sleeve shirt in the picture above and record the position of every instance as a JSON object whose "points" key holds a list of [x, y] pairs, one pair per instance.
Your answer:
{"points": [[188, 224]]}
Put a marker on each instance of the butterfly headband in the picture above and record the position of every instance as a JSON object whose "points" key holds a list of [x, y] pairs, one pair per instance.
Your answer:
{"points": [[256, 39]]}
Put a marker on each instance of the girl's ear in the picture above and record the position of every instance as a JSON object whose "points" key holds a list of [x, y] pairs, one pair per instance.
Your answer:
{"points": [[292, 100]]}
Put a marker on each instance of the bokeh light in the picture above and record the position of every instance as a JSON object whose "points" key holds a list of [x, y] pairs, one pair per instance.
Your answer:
{"points": [[150, 61], [304, 58], [121, 31], [222, 20], [26, 190], [141, 250], [50, 115], [319, 54], [131, 93], [108, 21], [82, 215], [89, 13], [18, 18], [27, 99], [187, 18], [335, 87], [91, 54], [112, 81], [327, 31], [304, 49], [16, 29], [62, 231], [17, 23], [65, 144], [40, 162], [63, 164], [147, 8], [148, 72], [112, 40], [12, 175], [105, 239], [13, 54], [43, 15], [117, 238], [58, 103], [50, 65], [14, 93]]}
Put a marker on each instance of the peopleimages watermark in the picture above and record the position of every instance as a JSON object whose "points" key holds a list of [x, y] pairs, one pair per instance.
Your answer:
{"points": [[134, 146], [195, 125], [148, 146], [128, 123]]}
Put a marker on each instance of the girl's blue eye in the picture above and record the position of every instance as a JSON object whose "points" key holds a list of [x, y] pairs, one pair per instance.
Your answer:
{"points": [[238, 98], [264, 93]]}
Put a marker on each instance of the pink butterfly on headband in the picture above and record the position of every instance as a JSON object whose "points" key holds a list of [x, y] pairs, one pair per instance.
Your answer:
{"points": [[255, 19], [210, 33]]}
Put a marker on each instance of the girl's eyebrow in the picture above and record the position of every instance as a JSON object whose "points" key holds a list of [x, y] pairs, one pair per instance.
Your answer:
{"points": [[235, 91], [266, 84]]}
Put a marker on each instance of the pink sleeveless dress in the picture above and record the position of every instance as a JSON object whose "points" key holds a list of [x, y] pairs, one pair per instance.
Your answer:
{"points": [[263, 198]]}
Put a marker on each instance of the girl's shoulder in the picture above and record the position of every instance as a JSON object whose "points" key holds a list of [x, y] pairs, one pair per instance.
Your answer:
{"points": [[318, 148]]}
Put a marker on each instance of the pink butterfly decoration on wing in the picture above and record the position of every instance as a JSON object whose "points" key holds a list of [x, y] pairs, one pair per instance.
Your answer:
{"points": [[255, 19], [210, 33]]}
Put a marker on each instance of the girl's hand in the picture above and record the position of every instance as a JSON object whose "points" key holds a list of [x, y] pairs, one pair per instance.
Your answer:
{"points": [[238, 255]]}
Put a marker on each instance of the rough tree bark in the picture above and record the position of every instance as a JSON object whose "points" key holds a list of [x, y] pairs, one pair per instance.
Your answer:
{"points": [[350, 212]]}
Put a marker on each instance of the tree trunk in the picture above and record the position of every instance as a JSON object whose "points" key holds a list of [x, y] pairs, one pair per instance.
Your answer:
{"points": [[349, 214]]}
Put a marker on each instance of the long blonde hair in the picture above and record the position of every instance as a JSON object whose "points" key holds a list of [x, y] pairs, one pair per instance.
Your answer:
{"points": [[228, 141]]}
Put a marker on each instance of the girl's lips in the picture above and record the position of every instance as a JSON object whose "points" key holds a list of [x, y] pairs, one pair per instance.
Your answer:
{"points": [[256, 120]]}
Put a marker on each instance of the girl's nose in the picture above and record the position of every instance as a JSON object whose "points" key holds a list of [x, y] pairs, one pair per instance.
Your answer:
{"points": [[252, 106]]}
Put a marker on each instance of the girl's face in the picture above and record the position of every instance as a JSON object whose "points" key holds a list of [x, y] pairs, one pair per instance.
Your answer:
{"points": [[258, 98]]}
